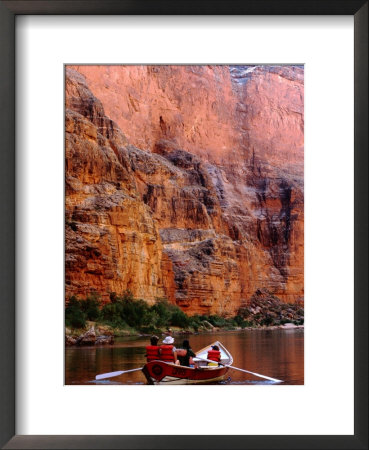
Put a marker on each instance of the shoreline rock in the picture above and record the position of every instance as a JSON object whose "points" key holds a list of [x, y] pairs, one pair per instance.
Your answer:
{"points": [[69, 341], [104, 340], [88, 338], [91, 338]]}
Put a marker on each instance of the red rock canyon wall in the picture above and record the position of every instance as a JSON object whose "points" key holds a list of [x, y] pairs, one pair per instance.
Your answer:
{"points": [[185, 182]]}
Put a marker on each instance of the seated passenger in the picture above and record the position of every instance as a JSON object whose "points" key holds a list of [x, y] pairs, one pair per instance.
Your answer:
{"points": [[185, 355], [152, 351], [168, 352], [168, 332], [214, 355]]}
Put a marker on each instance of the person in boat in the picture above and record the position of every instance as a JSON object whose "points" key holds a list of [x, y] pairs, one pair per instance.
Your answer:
{"points": [[168, 352], [168, 332], [152, 350], [185, 355], [214, 355]]}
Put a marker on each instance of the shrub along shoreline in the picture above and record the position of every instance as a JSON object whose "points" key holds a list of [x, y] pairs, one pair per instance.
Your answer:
{"points": [[125, 315]]}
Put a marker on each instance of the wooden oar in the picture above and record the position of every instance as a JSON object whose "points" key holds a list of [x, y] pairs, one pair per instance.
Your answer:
{"points": [[102, 376], [243, 370]]}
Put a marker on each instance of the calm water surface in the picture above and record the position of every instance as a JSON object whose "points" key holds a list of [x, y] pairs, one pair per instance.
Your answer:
{"points": [[275, 353]]}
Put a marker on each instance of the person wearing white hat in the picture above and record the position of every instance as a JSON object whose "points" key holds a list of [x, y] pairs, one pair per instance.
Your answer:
{"points": [[168, 352], [168, 340]]}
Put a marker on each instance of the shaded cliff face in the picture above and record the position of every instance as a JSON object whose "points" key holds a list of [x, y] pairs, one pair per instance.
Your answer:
{"points": [[201, 199]]}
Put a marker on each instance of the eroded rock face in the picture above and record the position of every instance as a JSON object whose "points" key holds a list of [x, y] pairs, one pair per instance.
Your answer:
{"points": [[201, 199], [226, 115], [112, 241]]}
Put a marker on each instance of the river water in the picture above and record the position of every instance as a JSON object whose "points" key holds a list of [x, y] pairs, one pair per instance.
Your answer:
{"points": [[276, 353]]}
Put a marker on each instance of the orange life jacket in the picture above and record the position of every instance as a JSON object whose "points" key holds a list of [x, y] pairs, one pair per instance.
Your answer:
{"points": [[214, 355], [152, 353], [166, 353]]}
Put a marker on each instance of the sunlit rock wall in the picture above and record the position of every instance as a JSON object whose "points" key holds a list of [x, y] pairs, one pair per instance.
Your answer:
{"points": [[201, 199]]}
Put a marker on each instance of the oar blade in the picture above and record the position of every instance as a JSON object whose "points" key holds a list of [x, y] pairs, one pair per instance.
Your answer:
{"points": [[103, 376], [275, 380]]}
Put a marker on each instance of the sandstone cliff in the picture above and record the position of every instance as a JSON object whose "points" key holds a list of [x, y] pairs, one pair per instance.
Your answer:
{"points": [[201, 199]]}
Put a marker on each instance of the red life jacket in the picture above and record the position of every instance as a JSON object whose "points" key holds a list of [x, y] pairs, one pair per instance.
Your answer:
{"points": [[152, 353], [214, 355], [166, 353]]}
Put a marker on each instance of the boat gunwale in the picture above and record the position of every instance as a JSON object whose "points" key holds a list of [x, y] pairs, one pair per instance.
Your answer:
{"points": [[187, 367]]}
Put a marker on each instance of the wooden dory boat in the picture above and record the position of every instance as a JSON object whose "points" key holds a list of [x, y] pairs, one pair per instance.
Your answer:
{"points": [[160, 372]]}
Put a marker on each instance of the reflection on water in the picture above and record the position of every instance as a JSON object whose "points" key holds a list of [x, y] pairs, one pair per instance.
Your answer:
{"points": [[275, 353]]}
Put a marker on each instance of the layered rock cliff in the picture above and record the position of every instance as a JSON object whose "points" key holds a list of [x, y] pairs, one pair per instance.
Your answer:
{"points": [[201, 199]]}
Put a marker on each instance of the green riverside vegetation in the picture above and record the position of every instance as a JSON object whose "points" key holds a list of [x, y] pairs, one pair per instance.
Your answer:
{"points": [[127, 313]]}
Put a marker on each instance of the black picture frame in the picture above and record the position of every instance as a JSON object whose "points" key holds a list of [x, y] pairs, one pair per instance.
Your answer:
{"points": [[8, 11]]}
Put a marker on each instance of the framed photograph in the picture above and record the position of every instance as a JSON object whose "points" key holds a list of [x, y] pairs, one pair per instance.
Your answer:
{"points": [[184, 233], [182, 185]]}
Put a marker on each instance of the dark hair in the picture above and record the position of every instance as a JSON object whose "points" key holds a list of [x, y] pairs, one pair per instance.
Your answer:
{"points": [[186, 344], [215, 347], [154, 340]]}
